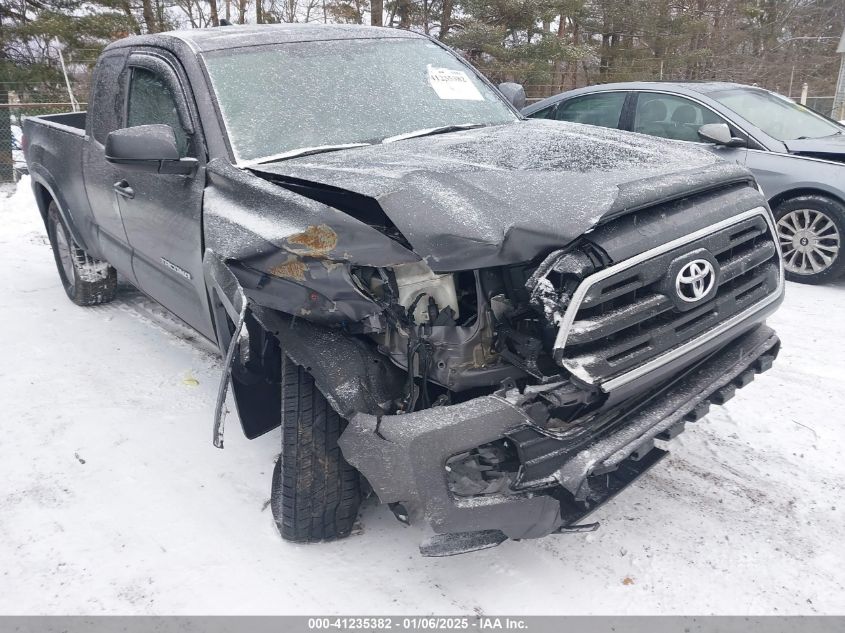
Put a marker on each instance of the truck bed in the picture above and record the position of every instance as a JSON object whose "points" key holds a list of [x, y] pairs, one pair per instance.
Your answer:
{"points": [[72, 122], [55, 144]]}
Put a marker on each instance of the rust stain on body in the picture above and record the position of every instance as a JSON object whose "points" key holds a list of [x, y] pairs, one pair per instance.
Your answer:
{"points": [[290, 269], [315, 241]]}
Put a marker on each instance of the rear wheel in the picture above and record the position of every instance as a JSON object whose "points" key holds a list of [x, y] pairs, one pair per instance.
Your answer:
{"points": [[811, 230], [86, 280], [316, 493]]}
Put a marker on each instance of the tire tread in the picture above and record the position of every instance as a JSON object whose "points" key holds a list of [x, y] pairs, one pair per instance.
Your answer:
{"points": [[101, 285], [316, 493]]}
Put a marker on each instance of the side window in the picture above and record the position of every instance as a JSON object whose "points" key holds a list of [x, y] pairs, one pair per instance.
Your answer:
{"points": [[106, 97], [545, 113], [150, 101], [669, 116], [602, 108]]}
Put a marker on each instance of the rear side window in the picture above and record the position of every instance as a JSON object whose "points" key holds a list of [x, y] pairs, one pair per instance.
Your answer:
{"points": [[150, 102], [603, 109], [106, 100], [545, 113]]}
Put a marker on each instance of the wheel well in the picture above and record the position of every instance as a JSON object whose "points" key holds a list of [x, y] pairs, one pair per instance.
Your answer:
{"points": [[795, 193], [256, 385], [42, 199]]}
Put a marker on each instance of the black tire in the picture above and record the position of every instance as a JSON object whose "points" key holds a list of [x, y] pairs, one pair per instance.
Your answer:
{"points": [[86, 280], [316, 493], [812, 268]]}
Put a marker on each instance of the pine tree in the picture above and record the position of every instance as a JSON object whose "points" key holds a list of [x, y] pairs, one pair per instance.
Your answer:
{"points": [[33, 32]]}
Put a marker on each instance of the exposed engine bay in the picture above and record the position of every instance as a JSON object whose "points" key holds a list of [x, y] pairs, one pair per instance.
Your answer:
{"points": [[455, 333]]}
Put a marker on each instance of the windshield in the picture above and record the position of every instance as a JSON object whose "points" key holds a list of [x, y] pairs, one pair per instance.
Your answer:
{"points": [[777, 116], [321, 95]]}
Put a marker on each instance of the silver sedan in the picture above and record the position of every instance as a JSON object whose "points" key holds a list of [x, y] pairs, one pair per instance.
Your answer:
{"points": [[797, 155]]}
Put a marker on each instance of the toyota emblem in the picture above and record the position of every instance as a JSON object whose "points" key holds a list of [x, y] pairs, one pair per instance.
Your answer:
{"points": [[695, 280]]}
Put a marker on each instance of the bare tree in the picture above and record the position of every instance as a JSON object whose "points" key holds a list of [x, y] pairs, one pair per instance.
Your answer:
{"points": [[311, 8], [377, 13], [403, 9], [149, 16], [446, 18], [212, 5], [290, 10]]}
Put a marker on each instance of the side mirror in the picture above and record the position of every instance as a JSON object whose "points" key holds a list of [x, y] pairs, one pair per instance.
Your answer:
{"points": [[514, 93], [150, 148], [720, 134]]}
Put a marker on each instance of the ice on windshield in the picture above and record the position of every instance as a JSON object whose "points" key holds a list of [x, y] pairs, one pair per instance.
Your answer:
{"points": [[777, 116], [312, 94]]}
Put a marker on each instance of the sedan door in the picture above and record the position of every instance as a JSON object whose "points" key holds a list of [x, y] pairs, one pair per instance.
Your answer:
{"points": [[678, 118]]}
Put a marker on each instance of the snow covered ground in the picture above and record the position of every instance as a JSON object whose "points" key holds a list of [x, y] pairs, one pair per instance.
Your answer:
{"points": [[113, 500]]}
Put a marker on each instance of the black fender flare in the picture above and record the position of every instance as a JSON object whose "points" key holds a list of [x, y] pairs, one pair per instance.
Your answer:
{"points": [[41, 178]]}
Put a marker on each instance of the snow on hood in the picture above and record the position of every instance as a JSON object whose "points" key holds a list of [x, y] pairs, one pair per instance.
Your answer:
{"points": [[504, 194]]}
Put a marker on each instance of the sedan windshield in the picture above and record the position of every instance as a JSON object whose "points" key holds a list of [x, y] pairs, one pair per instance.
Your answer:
{"points": [[777, 116], [303, 97]]}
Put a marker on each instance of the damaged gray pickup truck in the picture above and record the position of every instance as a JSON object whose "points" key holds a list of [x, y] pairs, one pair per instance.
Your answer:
{"points": [[486, 321]]}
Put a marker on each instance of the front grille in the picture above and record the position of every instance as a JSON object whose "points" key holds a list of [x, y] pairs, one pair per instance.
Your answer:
{"points": [[626, 316]]}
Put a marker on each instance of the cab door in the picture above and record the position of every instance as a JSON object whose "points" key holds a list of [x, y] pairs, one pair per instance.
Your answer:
{"points": [[162, 213], [105, 115]]}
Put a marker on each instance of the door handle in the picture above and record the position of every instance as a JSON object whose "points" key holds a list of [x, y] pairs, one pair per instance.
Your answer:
{"points": [[122, 188]]}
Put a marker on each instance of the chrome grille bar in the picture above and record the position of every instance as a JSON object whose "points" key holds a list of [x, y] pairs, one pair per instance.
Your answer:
{"points": [[576, 332]]}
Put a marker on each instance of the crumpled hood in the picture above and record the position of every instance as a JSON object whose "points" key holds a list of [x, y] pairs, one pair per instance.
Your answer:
{"points": [[828, 145], [505, 194]]}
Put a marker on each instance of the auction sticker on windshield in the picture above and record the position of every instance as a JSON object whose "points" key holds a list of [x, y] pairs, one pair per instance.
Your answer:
{"points": [[452, 84]]}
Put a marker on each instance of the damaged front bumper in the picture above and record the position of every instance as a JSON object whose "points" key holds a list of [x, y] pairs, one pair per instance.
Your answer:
{"points": [[559, 480]]}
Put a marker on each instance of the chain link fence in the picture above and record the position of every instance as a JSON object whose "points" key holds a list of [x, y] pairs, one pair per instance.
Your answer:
{"points": [[786, 76], [822, 105]]}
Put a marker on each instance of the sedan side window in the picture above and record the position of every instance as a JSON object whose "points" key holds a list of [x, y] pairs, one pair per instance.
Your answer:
{"points": [[602, 108], [545, 113], [673, 117], [150, 102]]}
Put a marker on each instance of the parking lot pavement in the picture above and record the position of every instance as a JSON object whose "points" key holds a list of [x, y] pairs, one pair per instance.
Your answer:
{"points": [[113, 500]]}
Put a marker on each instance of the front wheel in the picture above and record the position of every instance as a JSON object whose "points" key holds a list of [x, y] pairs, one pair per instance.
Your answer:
{"points": [[811, 230], [87, 281], [316, 492]]}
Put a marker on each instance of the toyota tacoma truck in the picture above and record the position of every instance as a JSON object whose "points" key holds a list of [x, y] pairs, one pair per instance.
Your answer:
{"points": [[491, 323]]}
